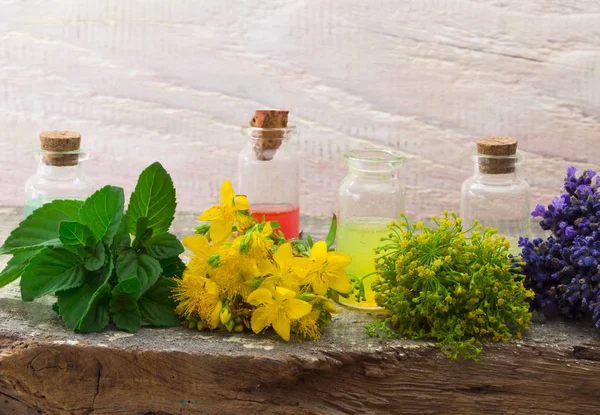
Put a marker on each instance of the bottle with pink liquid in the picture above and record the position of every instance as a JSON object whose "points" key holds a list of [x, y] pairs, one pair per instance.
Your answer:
{"points": [[268, 171]]}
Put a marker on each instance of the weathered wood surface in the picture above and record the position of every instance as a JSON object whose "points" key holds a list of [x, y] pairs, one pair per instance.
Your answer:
{"points": [[46, 369], [147, 80]]}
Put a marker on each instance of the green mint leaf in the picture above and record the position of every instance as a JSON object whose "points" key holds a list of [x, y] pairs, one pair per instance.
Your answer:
{"points": [[164, 246], [85, 308], [124, 307], [96, 261], [121, 240], [141, 229], [131, 286], [41, 227], [154, 198], [136, 264], [76, 237], [330, 238], [97, 316], [156, 305], [102, 212], [130, 320], [142, 232], [52, 270], [172, 267], [15, 266], [73, 233]]}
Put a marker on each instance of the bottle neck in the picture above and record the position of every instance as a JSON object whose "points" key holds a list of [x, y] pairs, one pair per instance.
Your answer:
{"points": [[385, 175], [269, 141], [495, 179], [59, 172]]}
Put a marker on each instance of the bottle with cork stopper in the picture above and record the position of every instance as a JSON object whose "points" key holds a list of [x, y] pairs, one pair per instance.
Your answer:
{"points": [[268, 171], [59, 173], [496, 195], [370, 197]]}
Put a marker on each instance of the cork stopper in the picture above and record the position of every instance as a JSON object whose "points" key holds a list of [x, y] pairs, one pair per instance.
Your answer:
{"points": [[55, 142], [501, 152], [266, 143]]}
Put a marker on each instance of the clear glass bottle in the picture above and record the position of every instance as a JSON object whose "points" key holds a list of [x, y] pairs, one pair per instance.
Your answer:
{"points": [[59, 172], [370, 197], [268, 174], [496, 195]]}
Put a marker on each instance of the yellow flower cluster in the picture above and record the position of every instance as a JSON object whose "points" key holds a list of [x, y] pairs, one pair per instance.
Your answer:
{"points": [[456, 285], [244, 276]]}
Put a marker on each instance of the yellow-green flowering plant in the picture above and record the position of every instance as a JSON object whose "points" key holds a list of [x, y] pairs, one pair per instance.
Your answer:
{"points": [[245, 276], [457, 286]]}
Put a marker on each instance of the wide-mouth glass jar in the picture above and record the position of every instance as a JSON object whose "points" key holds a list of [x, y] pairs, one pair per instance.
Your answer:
{"points": [[497, 196], [268, 174], [370, 197]]}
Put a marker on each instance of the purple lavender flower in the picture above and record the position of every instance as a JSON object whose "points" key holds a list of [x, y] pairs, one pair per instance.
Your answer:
{"points": [[559, 202], [570, 233], [564, 270], [539, 211]]}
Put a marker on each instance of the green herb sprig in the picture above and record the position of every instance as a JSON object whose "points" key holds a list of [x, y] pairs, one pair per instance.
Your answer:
{"points": [[443, 283], [83, 252]]}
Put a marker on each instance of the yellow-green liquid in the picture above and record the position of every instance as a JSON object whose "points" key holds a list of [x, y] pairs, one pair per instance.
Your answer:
{"points": [[358, 238]]}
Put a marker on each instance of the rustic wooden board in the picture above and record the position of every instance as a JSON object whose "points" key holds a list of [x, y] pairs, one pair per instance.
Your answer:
{"points": [[147, 80], [46, 369]]}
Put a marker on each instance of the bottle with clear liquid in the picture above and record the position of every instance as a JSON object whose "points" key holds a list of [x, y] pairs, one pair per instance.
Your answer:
{"points": [[496, 195], [370, 197], [59, 172], [268, 172]]}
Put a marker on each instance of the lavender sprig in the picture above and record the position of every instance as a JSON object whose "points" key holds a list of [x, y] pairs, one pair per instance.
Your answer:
{"points": [[564, 270]]}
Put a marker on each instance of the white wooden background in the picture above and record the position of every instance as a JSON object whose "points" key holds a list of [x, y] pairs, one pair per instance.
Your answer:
{"points": [[171, 80]]}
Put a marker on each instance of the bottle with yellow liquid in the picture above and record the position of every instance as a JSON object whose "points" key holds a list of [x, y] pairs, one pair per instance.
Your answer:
{"points": [[371, 196]]}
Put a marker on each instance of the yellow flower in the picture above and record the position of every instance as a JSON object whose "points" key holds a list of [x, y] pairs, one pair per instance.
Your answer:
{"points": [[225, 315], [223, 216], [202, 250], [278, 309], [199, 245], [280, 273], [330, 307], [323, 270], [261, 242], [198, 295], [308, 326], [244, 222], [234, 270]]}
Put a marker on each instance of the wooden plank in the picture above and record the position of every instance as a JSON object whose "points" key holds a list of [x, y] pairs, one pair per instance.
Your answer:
{"points": [[555, 369], [172, 81]]}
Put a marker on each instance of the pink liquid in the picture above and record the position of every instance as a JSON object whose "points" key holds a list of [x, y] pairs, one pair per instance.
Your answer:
{"points": [[287, 216]]}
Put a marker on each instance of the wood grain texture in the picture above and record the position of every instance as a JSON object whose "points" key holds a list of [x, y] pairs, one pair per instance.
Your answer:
{"points": [[147, 80], [45, 369]]}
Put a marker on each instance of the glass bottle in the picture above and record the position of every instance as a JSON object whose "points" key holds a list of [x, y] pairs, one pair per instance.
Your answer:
{"points": [[496, 195], [268, 174], [59, 173], [370, 197]]}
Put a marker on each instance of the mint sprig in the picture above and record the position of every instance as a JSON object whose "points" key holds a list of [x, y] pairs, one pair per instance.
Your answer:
{"points": [[153, 198], [83, 252]]}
